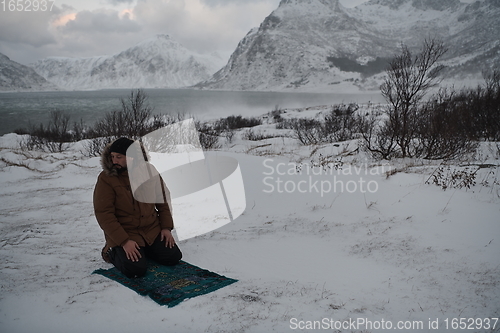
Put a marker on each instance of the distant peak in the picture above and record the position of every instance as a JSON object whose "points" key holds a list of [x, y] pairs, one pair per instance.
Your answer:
{"points": [[419, 4], [160, 39], [3, 56], [328, 3], [435, 4], [163, 36], [393, 4]]}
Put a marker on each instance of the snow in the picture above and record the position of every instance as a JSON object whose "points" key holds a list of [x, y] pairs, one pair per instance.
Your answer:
{"points": [[156, 62], [291, 49], [17, 77], [408, 251]]}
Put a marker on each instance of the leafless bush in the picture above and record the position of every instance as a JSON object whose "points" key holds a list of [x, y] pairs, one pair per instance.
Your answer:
{"points": [[79, 131], [133, 120], [249, 134], [441, 129], [95, 146], [283, 123], [208, 135], [341, 124], [408, 79], [447, 177], [378, 136], [54, 137], [481, 108], [275, 114], [236, 122], [307, 131], [444, 127], [229, 135], [252, 135]]}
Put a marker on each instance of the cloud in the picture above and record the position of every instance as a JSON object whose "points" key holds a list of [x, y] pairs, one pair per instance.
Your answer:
{"points": [[203, 25], [200, 25], [31, 28], [97, 32], [119, 2], [101, 21]]}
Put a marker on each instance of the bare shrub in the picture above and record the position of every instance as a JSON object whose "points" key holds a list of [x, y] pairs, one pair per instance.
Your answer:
{"points": [[132, 120], [307, 131], [79, 131], [54, 137], [408, 79], [448, 177], [441, 130], [95, 146], [252, 135], [229, 135], [377, 136], [340, 124], [236, 122], [283, 123], [444, 127], [481, 108], [208, 135], [275, 114]]}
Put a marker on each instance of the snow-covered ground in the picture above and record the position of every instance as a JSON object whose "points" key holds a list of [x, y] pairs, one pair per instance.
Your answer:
{"points": [[390, 250]]}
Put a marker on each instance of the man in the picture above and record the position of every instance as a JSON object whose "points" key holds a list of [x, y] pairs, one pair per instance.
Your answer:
{"points": [[133, 230]]}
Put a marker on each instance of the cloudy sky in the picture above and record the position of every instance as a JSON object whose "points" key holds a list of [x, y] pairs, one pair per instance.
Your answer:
{"points": [[84, 28]]}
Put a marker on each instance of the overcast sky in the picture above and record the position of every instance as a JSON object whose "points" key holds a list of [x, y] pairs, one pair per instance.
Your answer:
{"points": [[84, 28]]}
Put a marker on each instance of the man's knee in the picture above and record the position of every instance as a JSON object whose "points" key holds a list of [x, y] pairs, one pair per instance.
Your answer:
{"points": [[169, 256], [134, 269], [128, 267]]}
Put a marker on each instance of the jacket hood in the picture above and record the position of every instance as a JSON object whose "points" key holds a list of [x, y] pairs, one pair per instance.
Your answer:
{"points": [[107, 163]]}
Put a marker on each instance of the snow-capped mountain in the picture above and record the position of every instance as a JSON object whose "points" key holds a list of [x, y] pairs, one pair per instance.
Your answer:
{"points": [[159, 62], [17, 77], [320, 45]]}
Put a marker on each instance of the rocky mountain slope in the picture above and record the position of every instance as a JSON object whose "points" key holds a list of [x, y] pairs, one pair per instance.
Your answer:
{"points": [[319, 45], [159, 62], [17, 77]]}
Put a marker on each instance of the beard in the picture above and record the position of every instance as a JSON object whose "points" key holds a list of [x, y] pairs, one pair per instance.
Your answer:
{"points": [[119, 168]]}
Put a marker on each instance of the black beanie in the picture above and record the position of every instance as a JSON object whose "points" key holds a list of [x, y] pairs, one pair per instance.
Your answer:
{"points": [[120, 146]]}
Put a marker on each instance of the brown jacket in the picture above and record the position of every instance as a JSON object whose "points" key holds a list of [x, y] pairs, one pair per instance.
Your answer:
{"points": [[120, 215]]}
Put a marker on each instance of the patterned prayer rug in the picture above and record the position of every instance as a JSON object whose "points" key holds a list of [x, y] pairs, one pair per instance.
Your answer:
{"points": [[170, 285]]}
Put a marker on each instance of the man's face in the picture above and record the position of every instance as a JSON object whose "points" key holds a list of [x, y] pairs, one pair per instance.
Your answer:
{"points": [[119, 160]]}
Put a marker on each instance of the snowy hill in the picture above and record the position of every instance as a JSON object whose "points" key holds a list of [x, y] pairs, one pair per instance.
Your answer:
{"points": [[321, 45], [158, 62], [17, 77]]}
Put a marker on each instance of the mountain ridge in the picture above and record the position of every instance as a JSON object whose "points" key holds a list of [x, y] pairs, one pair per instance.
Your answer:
{"points": [[303, 45], [17, 77], [157, 62], [300, 44]]}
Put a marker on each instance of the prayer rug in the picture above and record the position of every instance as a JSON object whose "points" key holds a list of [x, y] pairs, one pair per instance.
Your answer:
{"points": [[170, 285]]}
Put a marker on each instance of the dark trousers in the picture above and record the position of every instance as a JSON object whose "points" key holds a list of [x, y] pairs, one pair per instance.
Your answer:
{"points": [[156, 251]]}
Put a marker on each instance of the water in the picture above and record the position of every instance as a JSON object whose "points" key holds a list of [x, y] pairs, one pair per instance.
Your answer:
{"points": [[20, 110]]}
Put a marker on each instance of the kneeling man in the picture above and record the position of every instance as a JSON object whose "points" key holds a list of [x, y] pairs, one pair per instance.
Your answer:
{"points": [[133, 230]]}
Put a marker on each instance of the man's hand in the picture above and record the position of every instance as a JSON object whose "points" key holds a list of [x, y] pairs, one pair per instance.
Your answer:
{"points": [[167, 236], [131, 249]]}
